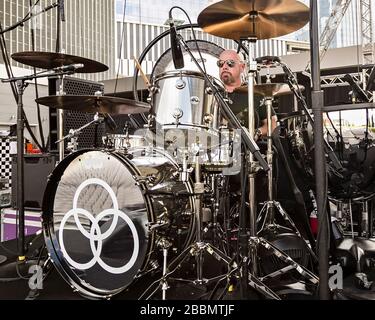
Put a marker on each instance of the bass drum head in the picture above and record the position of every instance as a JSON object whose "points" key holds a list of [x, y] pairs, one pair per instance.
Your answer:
{"points": [[210, 53], [94, 221]]}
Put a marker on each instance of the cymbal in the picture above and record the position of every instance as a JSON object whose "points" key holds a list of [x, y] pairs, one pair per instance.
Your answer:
{"points": [[51, 60], [263, 19], [92, 104], [289, 115], [269, 89]]}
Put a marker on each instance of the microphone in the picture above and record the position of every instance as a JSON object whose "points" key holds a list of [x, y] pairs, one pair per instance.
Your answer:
{"points": [[62, 10], [70, 67], [109, 122], [178, 59]]}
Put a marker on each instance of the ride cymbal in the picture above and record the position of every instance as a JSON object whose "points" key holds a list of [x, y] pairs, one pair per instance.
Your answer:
{"points": [[262, 19], [51, 60], [269, 89], [92, 104]]}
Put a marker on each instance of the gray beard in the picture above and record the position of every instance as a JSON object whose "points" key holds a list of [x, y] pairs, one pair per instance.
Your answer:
{"points": [[228, 80]]}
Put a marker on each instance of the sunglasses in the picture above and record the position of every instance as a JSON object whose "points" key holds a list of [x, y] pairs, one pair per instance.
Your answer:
{"points": [[230, 63]]}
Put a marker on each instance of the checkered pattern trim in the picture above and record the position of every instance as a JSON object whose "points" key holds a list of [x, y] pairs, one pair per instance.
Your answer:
{"points": [[5, 161]]}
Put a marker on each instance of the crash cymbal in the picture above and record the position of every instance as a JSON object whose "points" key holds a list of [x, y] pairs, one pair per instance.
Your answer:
{"points": [[92, 104], [263, 19], [269, 89], [51, 60]]}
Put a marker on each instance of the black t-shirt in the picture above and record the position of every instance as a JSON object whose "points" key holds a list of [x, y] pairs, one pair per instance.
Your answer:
{"points": [[238, 102]]}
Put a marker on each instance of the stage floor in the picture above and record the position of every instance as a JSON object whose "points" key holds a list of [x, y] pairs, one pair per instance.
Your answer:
{"points": [[56, 288]]}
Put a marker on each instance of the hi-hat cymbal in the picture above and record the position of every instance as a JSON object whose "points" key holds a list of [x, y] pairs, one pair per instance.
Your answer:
{"points": [[51, 60], [269, 89], [92, 104], [263, 19]]}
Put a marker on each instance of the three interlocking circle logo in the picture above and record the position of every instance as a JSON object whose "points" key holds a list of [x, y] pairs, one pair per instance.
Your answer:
{"points": [[95, 235]]}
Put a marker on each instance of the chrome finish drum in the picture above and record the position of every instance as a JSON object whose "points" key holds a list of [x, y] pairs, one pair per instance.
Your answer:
{"points": [[123, 142], [210, 53], [182, 99], [105, 214]]}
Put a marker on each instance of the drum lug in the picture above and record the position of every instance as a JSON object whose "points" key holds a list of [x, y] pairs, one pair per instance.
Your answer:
{"points": [[154, 225], [180, 84], [177, 114], [163, 243], [142, 179]]}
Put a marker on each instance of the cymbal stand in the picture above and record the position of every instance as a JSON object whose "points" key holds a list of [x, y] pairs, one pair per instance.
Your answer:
{"points": [[271, 204], [21, 86], [60, 119], [73, 134], [253, 168]]}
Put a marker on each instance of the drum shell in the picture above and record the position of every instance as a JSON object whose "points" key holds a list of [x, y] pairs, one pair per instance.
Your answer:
{"points": [[182, 98], [149, 180]]}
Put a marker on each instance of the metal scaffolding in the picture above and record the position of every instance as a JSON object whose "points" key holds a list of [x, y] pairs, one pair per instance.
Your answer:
{"points": [[367, 38]]}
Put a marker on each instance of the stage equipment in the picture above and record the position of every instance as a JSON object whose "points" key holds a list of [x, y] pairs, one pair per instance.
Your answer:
{"points": [[58, 61], [92, 104], [110, 217]]}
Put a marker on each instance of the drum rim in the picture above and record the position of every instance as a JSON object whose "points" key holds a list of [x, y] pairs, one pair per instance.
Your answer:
{"points": [[50, 237], [179, 73], [192, 46]]}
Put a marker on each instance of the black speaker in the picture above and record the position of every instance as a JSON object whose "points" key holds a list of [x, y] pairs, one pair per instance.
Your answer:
{"points": [[90, 136], [37, 168]]}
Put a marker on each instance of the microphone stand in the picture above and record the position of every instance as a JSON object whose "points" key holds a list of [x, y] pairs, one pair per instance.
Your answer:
{"points": [[22, 22], [293, 85], [21, 86]]}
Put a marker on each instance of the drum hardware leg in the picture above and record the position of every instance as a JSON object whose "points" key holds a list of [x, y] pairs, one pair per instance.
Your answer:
{"points": [[286, 259], [271, 204], [351, 219], [185, 171], [165, 245], [196, 249], [365, 220]]}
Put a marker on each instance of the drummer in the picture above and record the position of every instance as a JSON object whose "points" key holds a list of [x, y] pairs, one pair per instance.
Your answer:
{"points": [[231, 69]]}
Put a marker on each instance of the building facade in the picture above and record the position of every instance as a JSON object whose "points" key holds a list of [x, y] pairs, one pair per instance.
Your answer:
{"points": [[88, 30]]}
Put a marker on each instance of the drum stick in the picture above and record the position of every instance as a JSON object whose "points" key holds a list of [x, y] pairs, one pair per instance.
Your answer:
{"points": [[141, 71]]}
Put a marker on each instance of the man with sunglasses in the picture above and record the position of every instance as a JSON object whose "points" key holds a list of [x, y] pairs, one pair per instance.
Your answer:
{"points": [[231, 69]]}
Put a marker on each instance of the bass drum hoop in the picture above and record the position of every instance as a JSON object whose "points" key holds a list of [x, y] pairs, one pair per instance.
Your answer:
{"points": [[161, 65], [52, 243]]}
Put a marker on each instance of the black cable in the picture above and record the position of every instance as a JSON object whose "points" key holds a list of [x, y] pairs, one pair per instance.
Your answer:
{"points": [[366, 139], [41, 133], [58, 32], [121, 44], [193, 32], [339, 137]]}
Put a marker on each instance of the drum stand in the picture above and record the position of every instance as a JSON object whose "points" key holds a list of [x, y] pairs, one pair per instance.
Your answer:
{"points": [[253, 167], [73, 134], [271, 205], [196, 249]]}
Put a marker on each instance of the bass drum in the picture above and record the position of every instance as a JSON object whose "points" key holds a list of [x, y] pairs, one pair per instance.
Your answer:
{"points": [[106, 214]]}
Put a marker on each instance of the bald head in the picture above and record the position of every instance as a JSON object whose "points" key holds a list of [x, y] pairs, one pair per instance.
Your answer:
{"points": [[231, 75]]}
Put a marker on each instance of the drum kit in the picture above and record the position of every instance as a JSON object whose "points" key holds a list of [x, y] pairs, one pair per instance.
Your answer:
{"points": [[145, 207]]}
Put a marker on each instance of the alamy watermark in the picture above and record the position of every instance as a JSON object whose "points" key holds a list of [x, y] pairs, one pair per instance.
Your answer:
{"points": [[36, 280]]}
